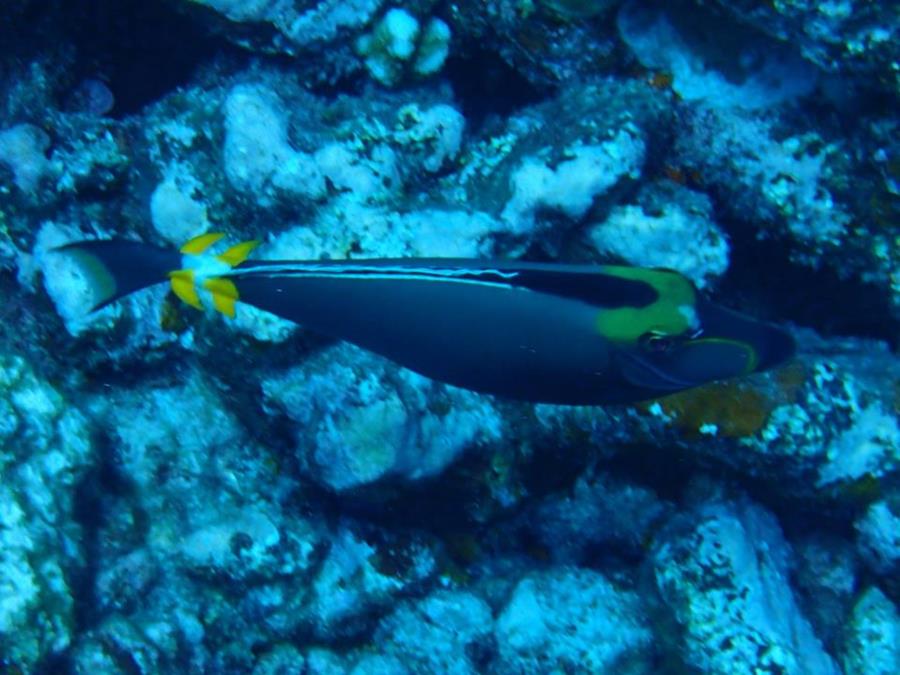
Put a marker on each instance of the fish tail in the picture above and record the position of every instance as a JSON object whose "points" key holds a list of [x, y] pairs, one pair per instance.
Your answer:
{"points": [[116, 268]]}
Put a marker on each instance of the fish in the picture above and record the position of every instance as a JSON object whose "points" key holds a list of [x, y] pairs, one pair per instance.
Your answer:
{"points": [[570, 334]]}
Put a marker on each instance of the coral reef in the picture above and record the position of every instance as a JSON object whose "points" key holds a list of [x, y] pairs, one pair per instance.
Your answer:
{"points": [[360, 421], [397, 40], [602, 511], [22, 150], [572, 619], [743, 71], [879, 537], [189, 492], [849, 37], [431, 635], [45, 450], [872, 638], [724, 578], [669, 224]]}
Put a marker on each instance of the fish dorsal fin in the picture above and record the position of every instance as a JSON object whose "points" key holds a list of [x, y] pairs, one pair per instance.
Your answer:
{"points": [[238, 253], [201, 243]]}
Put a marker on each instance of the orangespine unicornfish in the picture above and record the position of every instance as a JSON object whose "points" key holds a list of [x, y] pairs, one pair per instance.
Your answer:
{"points": [[556, 333]]}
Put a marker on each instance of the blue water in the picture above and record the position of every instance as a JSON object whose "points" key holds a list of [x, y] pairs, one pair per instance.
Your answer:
{"points": [[183, 491]]}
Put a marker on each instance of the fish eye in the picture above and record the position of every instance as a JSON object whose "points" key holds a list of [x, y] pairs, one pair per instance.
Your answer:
{"points": [[656, 342]]}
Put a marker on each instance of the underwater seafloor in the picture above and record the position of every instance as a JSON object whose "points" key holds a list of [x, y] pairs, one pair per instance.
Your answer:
{"points": [[181, 492]]}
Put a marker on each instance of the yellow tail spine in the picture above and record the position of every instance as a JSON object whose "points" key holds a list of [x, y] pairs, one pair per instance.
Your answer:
{"points": [[203, 274]]}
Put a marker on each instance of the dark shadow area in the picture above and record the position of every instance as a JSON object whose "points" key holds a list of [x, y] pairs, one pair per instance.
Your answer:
{"points": [[463, 498], [487, 86], [351, 84], [94, 496], [140, 50], [763, 281]]}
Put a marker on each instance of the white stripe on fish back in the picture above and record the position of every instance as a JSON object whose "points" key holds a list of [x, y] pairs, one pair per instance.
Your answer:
{"points": [[487, 277]]}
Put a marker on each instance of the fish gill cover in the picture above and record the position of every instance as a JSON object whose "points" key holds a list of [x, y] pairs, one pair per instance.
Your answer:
{"points": [[184, 492]]}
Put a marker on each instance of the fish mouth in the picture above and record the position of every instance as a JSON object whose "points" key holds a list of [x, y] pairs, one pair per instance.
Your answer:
{"points": [[729, 344], [771, 344]]}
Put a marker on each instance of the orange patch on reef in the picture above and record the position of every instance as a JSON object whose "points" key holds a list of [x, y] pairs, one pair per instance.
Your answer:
{"points": [[735, 409], [661, 80], [683, 176], [675, 174]]}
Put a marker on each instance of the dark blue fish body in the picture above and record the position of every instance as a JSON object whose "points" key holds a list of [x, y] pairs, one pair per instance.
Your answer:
{"points": [[487, 337], [573, 334]]}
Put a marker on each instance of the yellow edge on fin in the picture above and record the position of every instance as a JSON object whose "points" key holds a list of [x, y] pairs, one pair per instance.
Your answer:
{"points": [[238, 253], [200, 243], [224, 294], [182, 282]]}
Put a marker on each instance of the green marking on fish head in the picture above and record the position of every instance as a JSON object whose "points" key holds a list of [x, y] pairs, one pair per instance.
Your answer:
{"points": [[681, 340], [672, 313]]}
